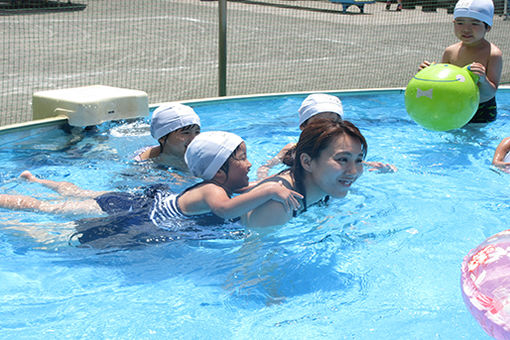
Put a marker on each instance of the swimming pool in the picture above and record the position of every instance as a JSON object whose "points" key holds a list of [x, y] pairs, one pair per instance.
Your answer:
{"points": [[384, 263]]}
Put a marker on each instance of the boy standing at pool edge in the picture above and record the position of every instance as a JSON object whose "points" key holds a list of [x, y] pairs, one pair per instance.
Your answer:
{"points": [[472, 19]]}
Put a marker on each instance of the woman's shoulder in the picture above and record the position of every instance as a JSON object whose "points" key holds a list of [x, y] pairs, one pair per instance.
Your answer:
{"points": [[270, 213], [283, 177]]}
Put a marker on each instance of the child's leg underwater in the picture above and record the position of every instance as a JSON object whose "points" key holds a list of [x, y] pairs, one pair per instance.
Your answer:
{"points": [[63, 188], [22, 202]]}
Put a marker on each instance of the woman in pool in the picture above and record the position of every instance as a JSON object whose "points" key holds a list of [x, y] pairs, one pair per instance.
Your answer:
{"points": [[174, 126], [316, 106], [328, 160]]}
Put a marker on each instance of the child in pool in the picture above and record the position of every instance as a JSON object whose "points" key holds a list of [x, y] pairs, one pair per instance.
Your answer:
{"points": [[174, 126], [316, 106], [219, 158], [328, 160], [472, 20], [501, 157]]}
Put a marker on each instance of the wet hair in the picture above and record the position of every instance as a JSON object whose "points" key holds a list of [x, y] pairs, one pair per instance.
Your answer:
{"points": [[314, 138], [184, 128]]}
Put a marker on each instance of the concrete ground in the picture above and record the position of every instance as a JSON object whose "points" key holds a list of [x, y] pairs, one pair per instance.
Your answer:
{"points": [[169, 49]]}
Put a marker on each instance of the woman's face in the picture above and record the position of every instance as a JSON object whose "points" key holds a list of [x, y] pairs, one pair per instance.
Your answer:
{"points": [[177, 141], [338, 166]]}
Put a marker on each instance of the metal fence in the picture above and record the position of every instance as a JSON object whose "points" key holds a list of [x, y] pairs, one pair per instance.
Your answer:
{"points": [[170, 48]]}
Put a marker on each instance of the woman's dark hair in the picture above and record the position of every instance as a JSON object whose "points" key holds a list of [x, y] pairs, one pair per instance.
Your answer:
{"points": [[314, 138]]}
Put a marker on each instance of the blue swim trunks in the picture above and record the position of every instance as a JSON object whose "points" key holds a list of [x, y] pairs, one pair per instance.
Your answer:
{"points": [[487, 112], [121, 202], [149, 217]]}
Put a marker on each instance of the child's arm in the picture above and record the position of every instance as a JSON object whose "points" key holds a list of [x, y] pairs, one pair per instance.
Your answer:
{"points": [[147, 153], [263, 170], [381, 167], [489, 76], [251, 185], [211, 197], [500, 153]]}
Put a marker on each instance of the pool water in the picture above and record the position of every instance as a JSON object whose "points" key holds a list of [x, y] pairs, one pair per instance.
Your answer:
{"points": [[383, 263]]}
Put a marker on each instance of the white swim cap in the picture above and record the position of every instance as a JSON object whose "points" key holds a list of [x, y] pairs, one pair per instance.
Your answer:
{"points": [[170, 117], [482, 10], [208, 151], [319, 103]]}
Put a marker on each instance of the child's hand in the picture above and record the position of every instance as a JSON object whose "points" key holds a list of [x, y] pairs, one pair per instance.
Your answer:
{"points": [[288, 198], [381, 167], [425, 64], [479, 70]]}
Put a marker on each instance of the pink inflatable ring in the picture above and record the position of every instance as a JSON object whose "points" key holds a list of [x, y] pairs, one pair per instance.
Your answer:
{"points": [[485, 284]]}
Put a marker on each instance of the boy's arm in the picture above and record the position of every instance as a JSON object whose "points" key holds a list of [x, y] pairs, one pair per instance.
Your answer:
{"points": [[225, 207], [489, 76]]}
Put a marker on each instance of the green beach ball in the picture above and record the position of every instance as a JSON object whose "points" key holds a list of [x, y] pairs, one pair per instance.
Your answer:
{"points": [[442, 97]]}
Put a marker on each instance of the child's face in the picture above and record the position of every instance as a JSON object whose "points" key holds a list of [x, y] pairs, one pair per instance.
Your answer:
{"points": [[238, 169], [177, 141], [338, 166], [469, 30]]}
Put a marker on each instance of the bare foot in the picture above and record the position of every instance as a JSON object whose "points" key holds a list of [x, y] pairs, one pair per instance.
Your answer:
{"points": [[28, 176]]}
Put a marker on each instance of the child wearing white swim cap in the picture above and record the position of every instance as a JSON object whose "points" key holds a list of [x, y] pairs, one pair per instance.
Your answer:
{"points": [[174, 126], [472, 19], [220, 159], [314, 107], [207, 153]]}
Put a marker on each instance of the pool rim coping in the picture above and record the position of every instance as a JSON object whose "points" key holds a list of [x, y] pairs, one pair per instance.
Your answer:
{"points": [[60, 120]]}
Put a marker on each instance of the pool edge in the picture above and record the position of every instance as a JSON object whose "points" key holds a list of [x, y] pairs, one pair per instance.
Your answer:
{"points": [[62, 120]]}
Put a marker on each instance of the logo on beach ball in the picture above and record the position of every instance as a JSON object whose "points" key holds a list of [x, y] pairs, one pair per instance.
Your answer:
{"points": [[442, 97]]}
